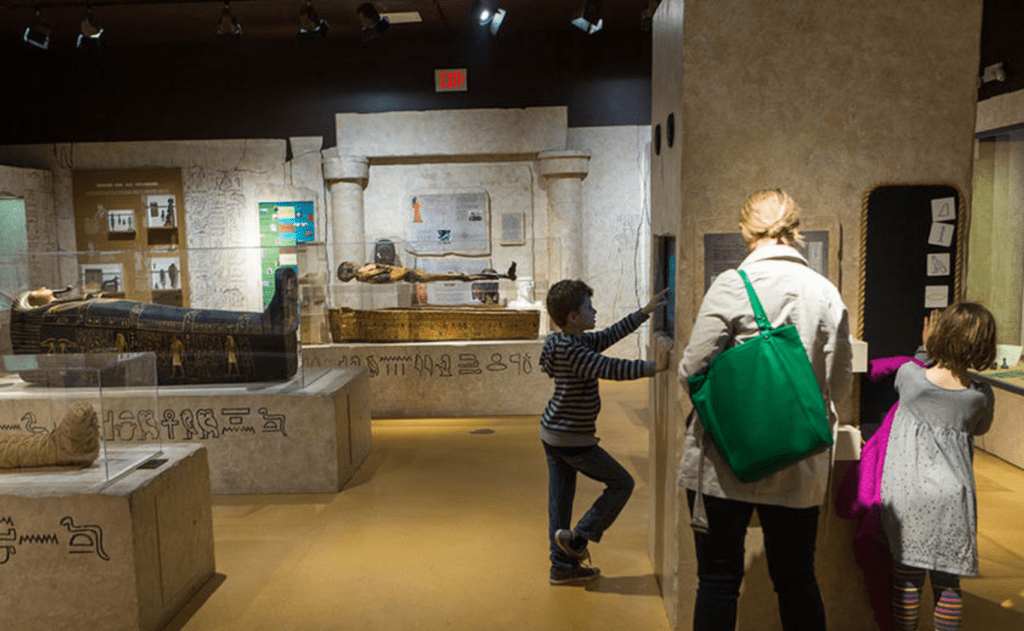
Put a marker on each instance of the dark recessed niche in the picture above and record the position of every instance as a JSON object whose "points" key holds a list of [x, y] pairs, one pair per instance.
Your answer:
{"points": [[670, 128], [657, 140]]}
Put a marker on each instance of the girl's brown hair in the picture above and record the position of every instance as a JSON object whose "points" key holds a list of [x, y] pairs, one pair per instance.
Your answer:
{"points": [[964, 337]]}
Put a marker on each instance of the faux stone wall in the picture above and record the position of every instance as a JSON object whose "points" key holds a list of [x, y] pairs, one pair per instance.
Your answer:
{"points": [[995, 263], [496, 150], [825, 99], [42, 219], [224, 180], [409, 152]]}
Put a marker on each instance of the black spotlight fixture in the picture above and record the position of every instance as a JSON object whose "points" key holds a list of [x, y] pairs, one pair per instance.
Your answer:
{"points": [[487, 13], [38, 33], [374, 24], [589, 19], [311, 25], [228, 25], [90, 31]]}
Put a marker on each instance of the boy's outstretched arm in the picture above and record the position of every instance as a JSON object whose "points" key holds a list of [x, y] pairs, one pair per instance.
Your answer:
{"points": [[657, 302]]}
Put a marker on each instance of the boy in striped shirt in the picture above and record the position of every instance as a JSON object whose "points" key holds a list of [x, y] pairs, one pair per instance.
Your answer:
{"points": [[568, 425]]}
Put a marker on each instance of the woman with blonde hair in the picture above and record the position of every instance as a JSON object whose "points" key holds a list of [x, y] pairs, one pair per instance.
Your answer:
{"points": [[787, 501]]}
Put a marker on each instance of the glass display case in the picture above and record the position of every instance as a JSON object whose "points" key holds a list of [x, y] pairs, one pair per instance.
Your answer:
{"points": [[224, 315], [71, 410], [390, 290]]}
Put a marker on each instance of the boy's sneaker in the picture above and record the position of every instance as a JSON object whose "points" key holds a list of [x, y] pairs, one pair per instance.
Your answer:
{"points": [[573, 575], [564, 541]]}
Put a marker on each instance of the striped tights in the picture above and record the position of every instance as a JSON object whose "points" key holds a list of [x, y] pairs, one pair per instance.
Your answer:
{"points": [[906, 599]]}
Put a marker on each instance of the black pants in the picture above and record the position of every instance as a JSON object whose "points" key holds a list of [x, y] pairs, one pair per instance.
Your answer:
{"points": [[790, 535]]}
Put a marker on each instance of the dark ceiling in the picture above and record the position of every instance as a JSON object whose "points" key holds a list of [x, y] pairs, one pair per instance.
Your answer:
{"points": [[131, 22]]}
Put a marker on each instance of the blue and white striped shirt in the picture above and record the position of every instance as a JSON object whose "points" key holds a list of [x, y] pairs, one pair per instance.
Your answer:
{"points": [[575, 363]]}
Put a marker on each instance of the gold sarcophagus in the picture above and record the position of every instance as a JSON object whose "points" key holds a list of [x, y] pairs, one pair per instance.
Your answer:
{"points": [[432, 324]]}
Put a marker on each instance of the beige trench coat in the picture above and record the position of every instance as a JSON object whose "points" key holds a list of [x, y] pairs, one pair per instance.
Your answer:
{"points": [[791, 293]]}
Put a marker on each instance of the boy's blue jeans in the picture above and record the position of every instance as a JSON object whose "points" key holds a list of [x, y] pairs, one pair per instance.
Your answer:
{"points": [[597, 464]]}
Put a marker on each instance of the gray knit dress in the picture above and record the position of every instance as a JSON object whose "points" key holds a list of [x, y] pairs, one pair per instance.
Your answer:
{"points": [[929, 508]]}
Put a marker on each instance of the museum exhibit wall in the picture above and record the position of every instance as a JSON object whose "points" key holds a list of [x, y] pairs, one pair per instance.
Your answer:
{"points": [[996, 255], [224, 180], [825, 100], [47, 231]]}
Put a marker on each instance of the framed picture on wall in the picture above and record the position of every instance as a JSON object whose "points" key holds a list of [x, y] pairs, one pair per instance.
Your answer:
{"points": [[105, 277], [165, 273], [120, 221], [161, 211]]}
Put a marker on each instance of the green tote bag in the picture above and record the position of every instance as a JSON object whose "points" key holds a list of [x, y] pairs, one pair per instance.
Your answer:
{"points": [[760, 402]]}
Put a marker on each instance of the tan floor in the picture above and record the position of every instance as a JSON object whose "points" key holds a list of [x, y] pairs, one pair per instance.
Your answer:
{"points": [[444, 528], [441, 528]]}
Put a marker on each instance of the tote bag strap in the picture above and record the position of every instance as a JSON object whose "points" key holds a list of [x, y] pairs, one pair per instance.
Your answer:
{"points": [[762, 320]]}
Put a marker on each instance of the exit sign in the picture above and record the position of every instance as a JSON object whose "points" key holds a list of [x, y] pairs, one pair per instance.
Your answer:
{"points": [[452, 80]]}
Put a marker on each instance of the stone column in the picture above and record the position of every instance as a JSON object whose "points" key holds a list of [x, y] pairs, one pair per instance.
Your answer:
{"points": [[346, 177], [563, 172]]}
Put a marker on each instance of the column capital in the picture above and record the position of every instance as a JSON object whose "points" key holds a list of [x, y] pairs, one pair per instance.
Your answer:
{"points": [[342, 168], [564, 163]]}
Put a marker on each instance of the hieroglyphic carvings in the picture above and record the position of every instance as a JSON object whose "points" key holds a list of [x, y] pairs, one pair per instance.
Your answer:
{"points": [[80, 539], [176, 424], [435, 364], [216, 204]]}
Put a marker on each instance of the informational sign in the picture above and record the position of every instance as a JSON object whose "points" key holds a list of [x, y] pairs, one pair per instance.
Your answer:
{"points": [[725, 251], [119, 212], [283, 225], [449, 223]]}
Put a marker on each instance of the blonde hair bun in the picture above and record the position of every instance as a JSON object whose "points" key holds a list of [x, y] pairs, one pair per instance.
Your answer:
{"points": [[771, 213]]}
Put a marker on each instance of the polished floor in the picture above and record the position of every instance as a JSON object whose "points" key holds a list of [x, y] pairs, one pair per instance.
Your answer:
{"points": [[444, 527]]}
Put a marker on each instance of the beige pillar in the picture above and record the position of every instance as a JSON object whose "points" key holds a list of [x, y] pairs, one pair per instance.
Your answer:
{"points": [[346, 177], [563, 172]]}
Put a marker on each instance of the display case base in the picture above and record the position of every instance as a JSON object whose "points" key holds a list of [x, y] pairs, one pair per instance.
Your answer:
{"points": [[431, 324], [445, 379], [77, 552], [305, 435]]}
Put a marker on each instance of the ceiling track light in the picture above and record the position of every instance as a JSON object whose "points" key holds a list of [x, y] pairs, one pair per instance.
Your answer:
{"points": [[487, 13], [373, 24], [228, 25], [311, 25], [90, 31], [38, 33], [589, 18]]}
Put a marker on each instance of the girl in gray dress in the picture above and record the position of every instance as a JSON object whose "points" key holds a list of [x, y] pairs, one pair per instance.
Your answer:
{"points": [[929, 510]]}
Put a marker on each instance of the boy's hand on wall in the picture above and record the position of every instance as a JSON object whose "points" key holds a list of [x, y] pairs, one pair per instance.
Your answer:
{"points": [[657, 302], [663, 359]]}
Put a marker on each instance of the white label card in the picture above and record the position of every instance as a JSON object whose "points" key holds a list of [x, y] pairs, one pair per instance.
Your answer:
{"points": [[936, 296], [944, 209], [938, 264], [941, 234]]}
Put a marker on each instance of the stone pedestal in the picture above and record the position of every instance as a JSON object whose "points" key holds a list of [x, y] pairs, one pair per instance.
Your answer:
{"points": [[1006, 437], [305, 435], [441, 379], [77, 552]]}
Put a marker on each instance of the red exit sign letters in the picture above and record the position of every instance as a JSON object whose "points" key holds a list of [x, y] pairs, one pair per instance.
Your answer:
{"points": [[451, 80]]}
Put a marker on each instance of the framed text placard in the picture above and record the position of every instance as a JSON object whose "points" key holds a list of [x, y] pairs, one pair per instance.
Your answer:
{"points": [[456, 222], [726, 250]]}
